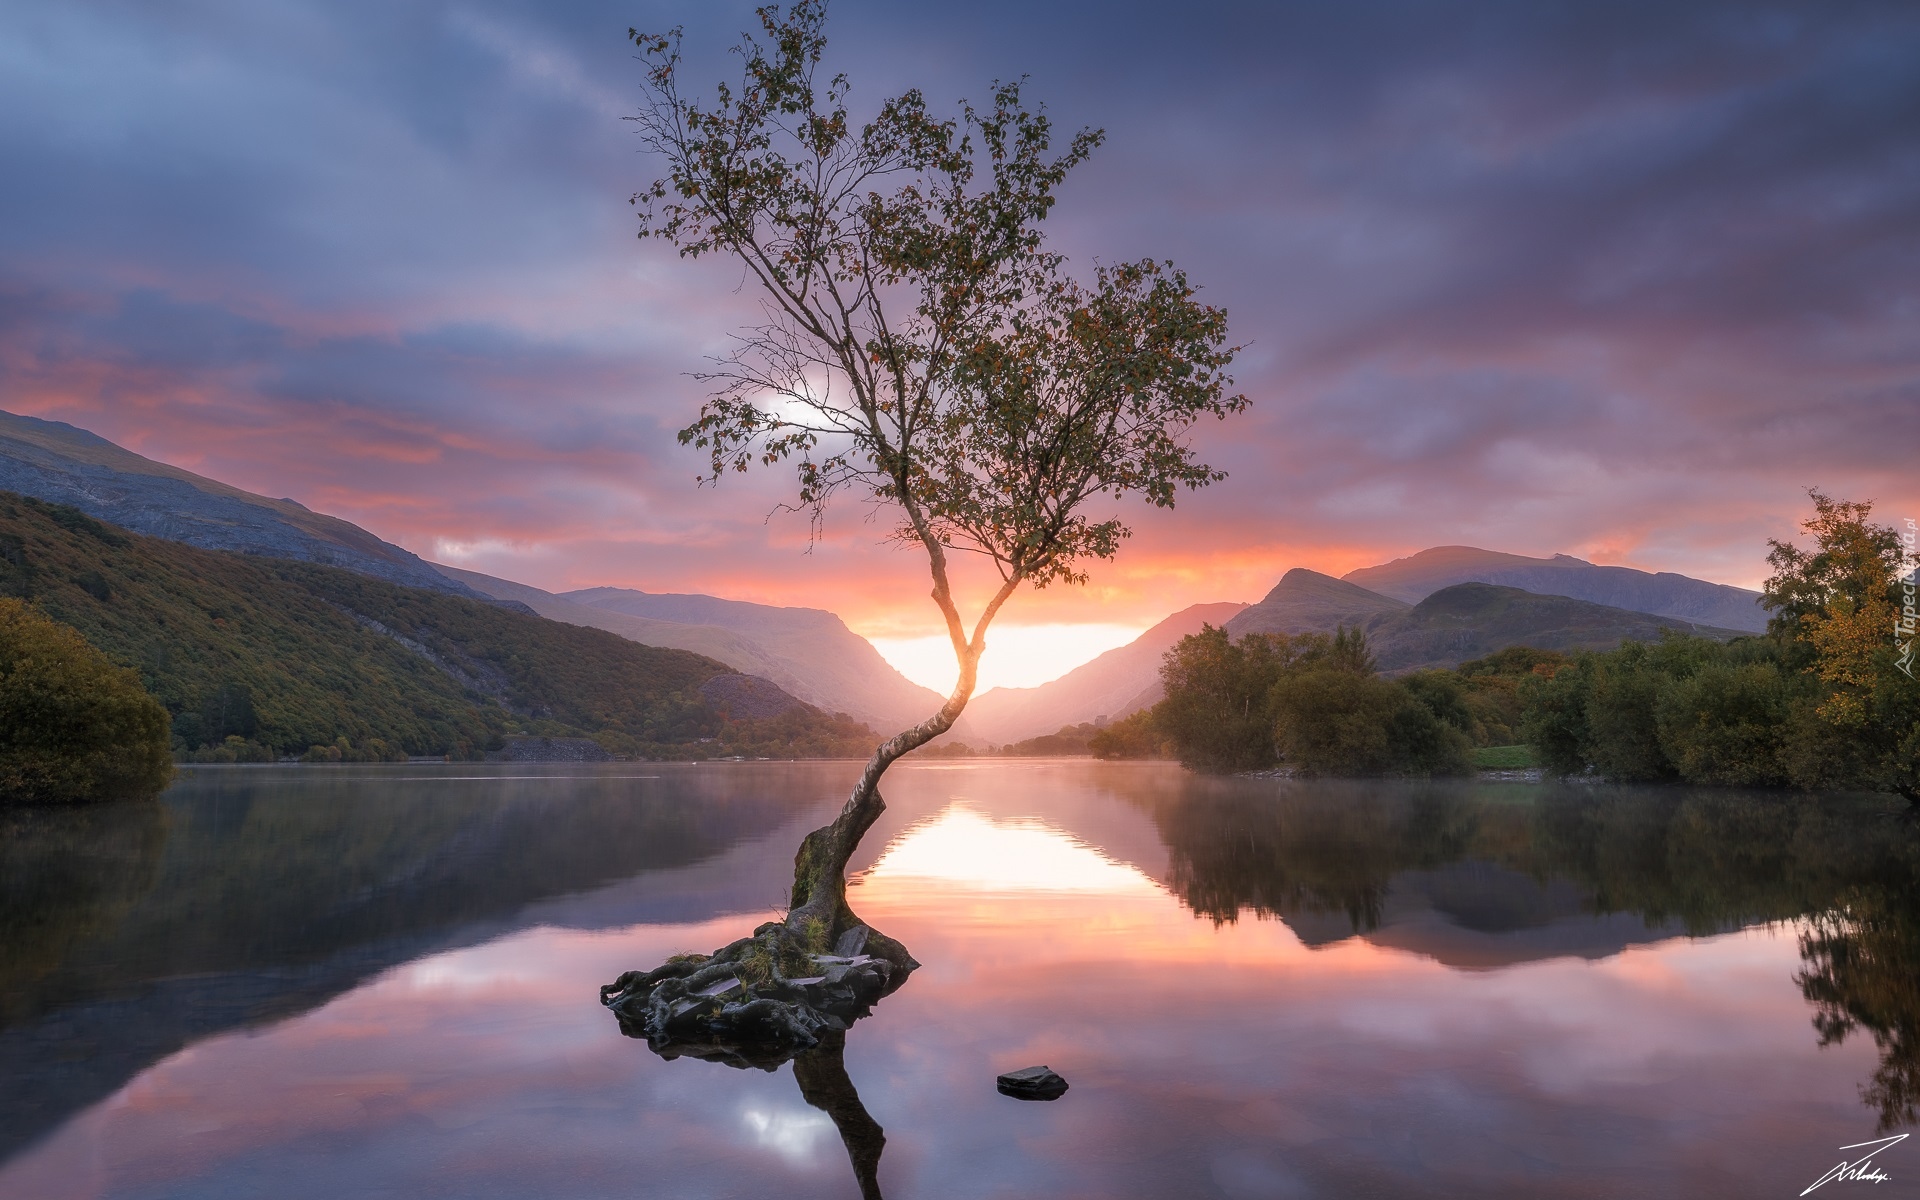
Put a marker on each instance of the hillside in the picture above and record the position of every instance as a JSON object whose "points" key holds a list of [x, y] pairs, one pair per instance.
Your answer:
{"points": [[1113, 685], [1473, 620], [1308, 602], [1665, 594], [55, 461], [1453, 624], [809, 652], [736, 651], [290, 655]]}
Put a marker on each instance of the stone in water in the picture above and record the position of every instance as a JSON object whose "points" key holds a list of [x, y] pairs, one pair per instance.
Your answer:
{"points": [[1032, 1083]]}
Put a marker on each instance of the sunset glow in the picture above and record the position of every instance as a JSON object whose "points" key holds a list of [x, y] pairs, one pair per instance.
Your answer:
{"points": [[1519, 319], [1017, 655]]}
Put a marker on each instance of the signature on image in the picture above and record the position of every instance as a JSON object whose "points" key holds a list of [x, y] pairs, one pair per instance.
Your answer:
{"points": [[1860, 1170]]}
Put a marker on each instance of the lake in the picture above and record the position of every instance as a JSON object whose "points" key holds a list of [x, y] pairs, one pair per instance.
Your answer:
{"points": [[382, 982]]}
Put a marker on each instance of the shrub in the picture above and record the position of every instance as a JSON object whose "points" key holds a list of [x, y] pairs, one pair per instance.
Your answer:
{"points": [[1309, 698], [1330, 721], [1725, 724], [1217, 709], [1134, 736], [73, 727]]}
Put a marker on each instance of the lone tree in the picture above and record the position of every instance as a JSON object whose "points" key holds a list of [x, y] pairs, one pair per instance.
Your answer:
{"points": [[920, 346]]}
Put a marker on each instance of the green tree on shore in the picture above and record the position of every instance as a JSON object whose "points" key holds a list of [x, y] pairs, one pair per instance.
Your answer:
{"points": [[73, 727], [1821, 701]]}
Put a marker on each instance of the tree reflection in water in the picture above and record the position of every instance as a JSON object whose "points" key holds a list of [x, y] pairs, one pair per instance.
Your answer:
{"points": [[825, 1084], [821, 1072], [1698, 860], [1863, 972]]}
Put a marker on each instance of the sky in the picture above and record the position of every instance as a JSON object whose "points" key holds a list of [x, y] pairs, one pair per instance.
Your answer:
{"points": [[1619, 280]]}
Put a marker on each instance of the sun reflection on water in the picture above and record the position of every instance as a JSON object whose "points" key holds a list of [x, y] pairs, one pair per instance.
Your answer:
{"points": [[961, 846]]}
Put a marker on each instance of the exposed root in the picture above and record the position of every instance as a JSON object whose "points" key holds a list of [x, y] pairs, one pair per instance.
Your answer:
{"points": [[761, 1000]]}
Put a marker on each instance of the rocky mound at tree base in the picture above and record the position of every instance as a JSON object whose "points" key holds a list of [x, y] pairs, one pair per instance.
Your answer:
{"points": [[758, 1001]]}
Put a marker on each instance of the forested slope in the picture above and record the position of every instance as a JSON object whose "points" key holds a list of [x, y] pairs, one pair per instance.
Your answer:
{"points": [[288, 655]]}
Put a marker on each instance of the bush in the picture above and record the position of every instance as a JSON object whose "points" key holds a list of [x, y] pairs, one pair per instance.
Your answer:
{"points": [[1744, 713], [1725, 724], [1134, 736], [1330, 721], [73, 727], [1311, 699], [1217, 711]]}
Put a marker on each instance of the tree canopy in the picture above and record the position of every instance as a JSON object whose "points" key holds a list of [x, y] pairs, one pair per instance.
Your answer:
{"points": [[73, 726], [921, 346]]}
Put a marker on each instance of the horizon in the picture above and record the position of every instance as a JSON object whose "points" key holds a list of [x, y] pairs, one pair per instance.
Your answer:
{"points": [[1540, 283]]}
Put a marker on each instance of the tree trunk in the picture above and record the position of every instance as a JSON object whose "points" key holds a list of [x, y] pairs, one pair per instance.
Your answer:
{"points": [[818, 908]]}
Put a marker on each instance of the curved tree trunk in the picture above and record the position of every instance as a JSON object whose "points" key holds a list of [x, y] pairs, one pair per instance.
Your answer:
{"points": [[817, 909]]}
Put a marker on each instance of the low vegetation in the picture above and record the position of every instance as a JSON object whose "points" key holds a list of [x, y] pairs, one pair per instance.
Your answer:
{"points": [[1312, 702], [73, 726], [1505, 758]]}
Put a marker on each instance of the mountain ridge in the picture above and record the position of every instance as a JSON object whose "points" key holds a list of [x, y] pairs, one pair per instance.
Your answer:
{"points": [[1662, 594], [64, 464], [809, 652], [1112, 685], [1453, 624]]}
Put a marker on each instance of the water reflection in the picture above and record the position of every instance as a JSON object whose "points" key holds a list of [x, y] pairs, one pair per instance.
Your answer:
{"points": [[962, 847], [824, 1083], [249, 895], [331, 983], [1863, 974]]}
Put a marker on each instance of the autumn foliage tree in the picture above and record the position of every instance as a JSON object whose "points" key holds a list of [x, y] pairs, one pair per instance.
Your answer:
{"points": [[1823, 701], [921, 348], [1845, 598]]}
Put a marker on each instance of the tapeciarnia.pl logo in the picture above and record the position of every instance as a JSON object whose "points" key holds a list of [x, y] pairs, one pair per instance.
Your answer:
{"points": [[1907, 623]]}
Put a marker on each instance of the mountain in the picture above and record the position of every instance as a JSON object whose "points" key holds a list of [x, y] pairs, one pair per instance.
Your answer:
{"points": [[1472, 620], [1665, 594], [1453, 624], [1308, 602], [1113, 685], [58, 462], [289, 655], [808, 651]]}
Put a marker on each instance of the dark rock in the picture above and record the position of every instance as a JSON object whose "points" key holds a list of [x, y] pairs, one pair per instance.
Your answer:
{"points": [[754, 1003], [852, 943], [1032, 1083]]}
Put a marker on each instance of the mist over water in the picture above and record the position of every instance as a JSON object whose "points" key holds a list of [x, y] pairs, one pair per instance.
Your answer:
{"points": [[373, 981]]}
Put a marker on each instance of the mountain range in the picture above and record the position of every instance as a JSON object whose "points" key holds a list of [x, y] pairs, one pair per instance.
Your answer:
{"points": [[1435, 608], [1663, 594], [1453, 624], [807, 651], [54, 461]]}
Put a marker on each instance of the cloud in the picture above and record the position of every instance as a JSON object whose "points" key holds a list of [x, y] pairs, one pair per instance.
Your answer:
{"points": [[1615, 280]]}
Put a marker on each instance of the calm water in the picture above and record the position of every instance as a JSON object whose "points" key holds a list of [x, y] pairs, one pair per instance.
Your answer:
{"points": [[368, 982]]}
